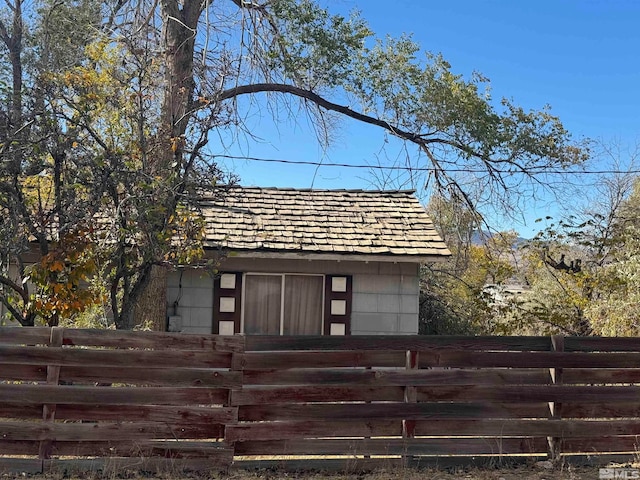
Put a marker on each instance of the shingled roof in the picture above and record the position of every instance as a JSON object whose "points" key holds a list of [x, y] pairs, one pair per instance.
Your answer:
{"points": [[339, 222]]}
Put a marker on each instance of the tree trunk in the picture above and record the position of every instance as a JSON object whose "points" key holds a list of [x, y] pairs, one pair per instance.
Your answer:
{"points": [[179, 40], [151, 308]]}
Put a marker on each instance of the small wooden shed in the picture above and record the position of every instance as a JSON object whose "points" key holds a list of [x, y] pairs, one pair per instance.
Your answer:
{"points": [[307, 262]]}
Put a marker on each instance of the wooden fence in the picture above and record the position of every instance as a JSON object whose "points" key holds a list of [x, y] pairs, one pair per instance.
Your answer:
{"points": [[89, 399]]}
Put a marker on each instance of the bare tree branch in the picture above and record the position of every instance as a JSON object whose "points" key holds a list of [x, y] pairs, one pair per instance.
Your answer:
{"points": [[15, 287], [4, 34], [15, 313], [326, 104]]}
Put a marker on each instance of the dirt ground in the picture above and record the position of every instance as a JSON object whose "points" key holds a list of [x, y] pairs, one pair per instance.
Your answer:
{"points": [[529, 473], [534, 472]]}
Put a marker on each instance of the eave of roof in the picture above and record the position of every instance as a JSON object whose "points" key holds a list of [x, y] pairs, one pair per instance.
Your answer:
{"points": [[384, 258]]}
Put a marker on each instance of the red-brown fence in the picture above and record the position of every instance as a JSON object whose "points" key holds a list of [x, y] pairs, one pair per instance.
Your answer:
{"points": [[89, 399]]}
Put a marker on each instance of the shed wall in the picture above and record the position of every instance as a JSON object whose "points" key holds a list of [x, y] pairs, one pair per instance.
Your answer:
{"points": [[385, 295]]}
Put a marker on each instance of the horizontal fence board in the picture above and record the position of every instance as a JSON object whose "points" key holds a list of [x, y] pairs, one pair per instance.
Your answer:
{"points": [[156, 413], [27, 373], [602, 375], [526, 428], [394, 342], [601, 444], [144, 448], [182, 449], [601, 410], [602, 344], [470, 359], [288, 395], [173, 449], [39, 394], [398, 377], [112, 466], [390, 410], [407, 446], [152, 340], [91, 432], [18, 447], [20, 411], [325, 428], [286, 360], [101, 357], [268, 431], [25, 336], [488, 376], [529, 393], [349, 465], [156, 376]]}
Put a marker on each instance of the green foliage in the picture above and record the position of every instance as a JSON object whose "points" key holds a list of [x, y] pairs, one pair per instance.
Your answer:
{"points": [[615, 307], [63, 30], [454, 294], [423, 96], [584, 274], [437, 317], [314, 47]]}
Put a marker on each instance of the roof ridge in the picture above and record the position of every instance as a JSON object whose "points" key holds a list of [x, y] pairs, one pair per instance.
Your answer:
{"points": [[336, 190]]}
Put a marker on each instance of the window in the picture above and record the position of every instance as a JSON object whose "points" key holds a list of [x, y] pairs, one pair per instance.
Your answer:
{"points": [[281, 304]]}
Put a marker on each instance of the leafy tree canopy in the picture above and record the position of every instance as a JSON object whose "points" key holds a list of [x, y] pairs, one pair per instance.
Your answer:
{"points": [[115, 103]]}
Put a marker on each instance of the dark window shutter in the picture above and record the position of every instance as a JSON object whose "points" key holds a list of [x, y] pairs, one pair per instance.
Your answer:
{"points": [[227, 301], [337, 304]]}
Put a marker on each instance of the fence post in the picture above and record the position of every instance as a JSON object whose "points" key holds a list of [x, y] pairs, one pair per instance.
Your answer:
{"points": [[53, 378], [410, 396], [555, 443], [237, 365]]}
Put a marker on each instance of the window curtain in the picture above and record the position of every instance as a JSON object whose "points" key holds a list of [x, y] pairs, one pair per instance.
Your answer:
{"points": [[303, 305], [262, 304]]}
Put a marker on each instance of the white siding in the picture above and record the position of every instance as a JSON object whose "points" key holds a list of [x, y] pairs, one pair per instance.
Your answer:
{"points": [[385, 295], [195, 300], [387, 303]]}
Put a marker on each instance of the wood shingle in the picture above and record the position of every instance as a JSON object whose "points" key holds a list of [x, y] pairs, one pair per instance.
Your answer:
{"points": [[360, 222]]}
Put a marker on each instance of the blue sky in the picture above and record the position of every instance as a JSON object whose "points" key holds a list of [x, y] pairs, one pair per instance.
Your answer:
{"points": [[580, 57]]}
